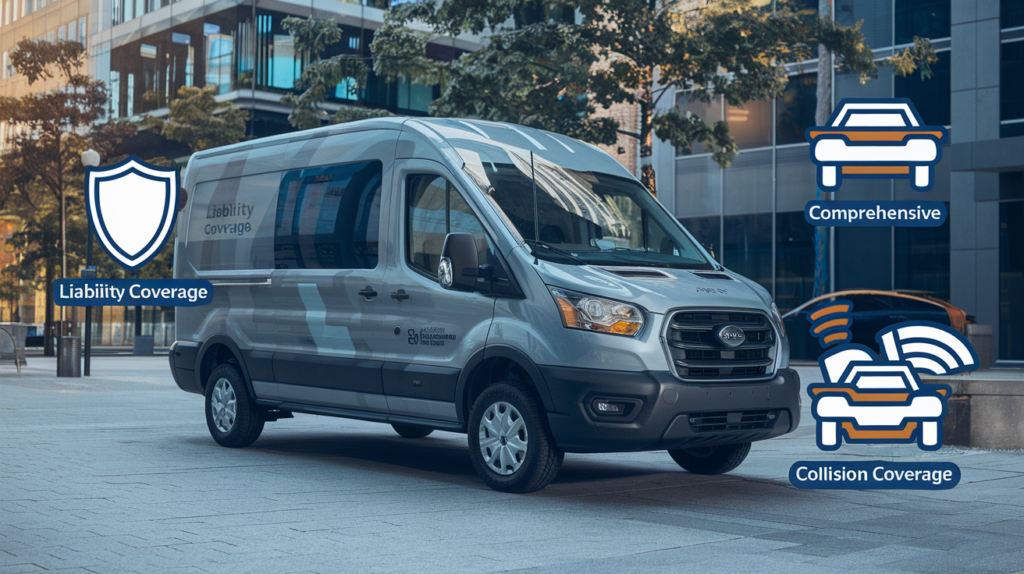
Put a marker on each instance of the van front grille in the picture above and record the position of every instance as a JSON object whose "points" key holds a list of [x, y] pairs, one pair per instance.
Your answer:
{"points": [[699, 353]]}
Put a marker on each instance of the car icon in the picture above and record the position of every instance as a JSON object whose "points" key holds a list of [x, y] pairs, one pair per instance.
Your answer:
{"points": [[876, 138], [879, 402]]}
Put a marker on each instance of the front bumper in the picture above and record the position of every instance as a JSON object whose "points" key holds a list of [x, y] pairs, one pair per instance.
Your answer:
{"points": [[722, 413]]}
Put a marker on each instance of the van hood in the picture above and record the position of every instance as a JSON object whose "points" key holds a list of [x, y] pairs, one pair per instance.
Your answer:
{"points": [[658, 289]]}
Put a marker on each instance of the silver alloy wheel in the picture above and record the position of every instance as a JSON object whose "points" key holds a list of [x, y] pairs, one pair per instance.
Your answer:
{"points": [[223, 405], [503, 438]]}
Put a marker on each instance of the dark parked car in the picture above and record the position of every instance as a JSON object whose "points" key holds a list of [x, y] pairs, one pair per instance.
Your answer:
{"points": [[872, 311]]}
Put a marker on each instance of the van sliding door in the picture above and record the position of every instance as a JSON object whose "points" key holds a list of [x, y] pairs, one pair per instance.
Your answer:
{"points": [[327, 287]]}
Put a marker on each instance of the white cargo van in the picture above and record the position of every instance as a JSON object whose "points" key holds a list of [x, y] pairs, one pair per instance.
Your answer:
{"points": [[508, 283]]}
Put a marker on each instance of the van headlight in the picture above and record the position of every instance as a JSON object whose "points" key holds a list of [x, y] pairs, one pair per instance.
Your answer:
{"points": [[778, 319], [589, 313]]}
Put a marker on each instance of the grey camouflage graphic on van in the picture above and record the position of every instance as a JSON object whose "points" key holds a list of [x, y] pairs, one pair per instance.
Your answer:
{"points": [[324, 336]]}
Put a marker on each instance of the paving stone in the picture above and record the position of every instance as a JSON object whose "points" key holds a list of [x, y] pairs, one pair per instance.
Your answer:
{"points": [[147, 490]]}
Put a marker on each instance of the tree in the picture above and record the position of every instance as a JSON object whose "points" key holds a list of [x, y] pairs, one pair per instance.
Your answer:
{"points": [[550, 64], [197, 120], [11, 290], [320, 76], [41, 169]]}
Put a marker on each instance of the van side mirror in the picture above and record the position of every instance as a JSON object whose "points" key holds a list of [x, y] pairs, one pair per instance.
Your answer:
{"points": [[460, 262]]}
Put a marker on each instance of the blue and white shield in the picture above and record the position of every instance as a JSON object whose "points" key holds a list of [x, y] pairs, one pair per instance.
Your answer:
{"points": [[132, 207]]}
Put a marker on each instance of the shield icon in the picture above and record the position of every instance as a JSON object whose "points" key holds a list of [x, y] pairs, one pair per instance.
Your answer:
{"points": [[132, 207]]}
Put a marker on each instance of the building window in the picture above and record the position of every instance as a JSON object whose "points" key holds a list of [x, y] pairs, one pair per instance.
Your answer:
{"points": [[707, 231], [748, 247], [1011, 185], [115, 94], [922, 259], [219, 51], [924, 18], [284, 66], [60, 34], [346, 90], [1011, 14], [795, 109], [72, 31], [877, 17], [1011, 89], [750, 124], [1011, 280], [414, 96], [708, 112], [931, 97], [794, 260], [7, 71], [131, 95], [83, 36], [190, 65]]}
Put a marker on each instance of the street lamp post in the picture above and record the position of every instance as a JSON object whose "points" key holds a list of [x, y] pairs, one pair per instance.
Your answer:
{"points": [[90, 158]]}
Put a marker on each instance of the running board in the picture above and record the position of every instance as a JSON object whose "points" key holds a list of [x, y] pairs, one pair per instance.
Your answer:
{"points": [[361, 415]]}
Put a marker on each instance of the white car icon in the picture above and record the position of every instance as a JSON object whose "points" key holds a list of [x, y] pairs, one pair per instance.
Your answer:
{"points": [[884, 401], [876, 139]]}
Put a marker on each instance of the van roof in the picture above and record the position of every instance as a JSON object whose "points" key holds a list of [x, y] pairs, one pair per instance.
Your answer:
{"points": [[478, 136]]}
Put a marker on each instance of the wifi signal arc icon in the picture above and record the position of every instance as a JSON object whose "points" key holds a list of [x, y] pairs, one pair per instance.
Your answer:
{"points": [[831, 322], [929, 347]]}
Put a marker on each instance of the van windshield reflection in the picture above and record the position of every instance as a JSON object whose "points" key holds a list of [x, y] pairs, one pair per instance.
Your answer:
{"points": [[592, 217]]}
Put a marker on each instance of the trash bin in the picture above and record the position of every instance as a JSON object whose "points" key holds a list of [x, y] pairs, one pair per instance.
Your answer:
{"points": [[143, 346], [69, 356]]}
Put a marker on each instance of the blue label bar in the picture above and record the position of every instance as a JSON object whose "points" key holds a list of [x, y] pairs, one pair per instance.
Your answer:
{"points": [[875, 213], [131, 292], [874, 474]]}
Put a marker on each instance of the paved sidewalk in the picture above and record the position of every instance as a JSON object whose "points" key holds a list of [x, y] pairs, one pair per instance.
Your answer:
{"points": [[117, 473]]}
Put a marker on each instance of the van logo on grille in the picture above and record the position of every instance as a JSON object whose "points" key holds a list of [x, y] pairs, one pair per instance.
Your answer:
{"points": [[731, 336]]}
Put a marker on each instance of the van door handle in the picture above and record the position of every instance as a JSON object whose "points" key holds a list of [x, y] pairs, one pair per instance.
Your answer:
{"points": [[400, 295], [368, 293]]}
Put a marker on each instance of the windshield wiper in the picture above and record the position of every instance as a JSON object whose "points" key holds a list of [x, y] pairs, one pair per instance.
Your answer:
{"points": [[541, 246]]}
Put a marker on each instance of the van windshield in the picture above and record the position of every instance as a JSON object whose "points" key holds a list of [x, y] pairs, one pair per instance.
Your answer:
{"points": [[585, 217]]}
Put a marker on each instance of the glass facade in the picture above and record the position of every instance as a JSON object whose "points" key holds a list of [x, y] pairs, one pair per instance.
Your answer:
{"points": [[922, 259], [924, 18], [751, 213], [1011, 88], [1011, 280], [219, 50]]}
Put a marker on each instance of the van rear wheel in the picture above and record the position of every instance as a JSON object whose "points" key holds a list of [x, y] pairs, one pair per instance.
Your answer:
{"points": [[509, 443], [409, 431], [718, 459], [231, 413]]}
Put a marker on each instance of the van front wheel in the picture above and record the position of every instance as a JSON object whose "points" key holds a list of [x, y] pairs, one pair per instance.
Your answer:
{"points": [[509, 443], [711, 459], [231, 414]]}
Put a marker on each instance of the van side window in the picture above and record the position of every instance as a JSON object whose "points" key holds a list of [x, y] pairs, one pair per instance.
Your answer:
{"points": [[435, 209], [329, 217], [231, 226]]}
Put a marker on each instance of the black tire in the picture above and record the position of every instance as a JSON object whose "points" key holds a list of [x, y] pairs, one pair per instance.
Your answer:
{"points": [[711, 459], [248, 421], [542, 459], [409, 431]]}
